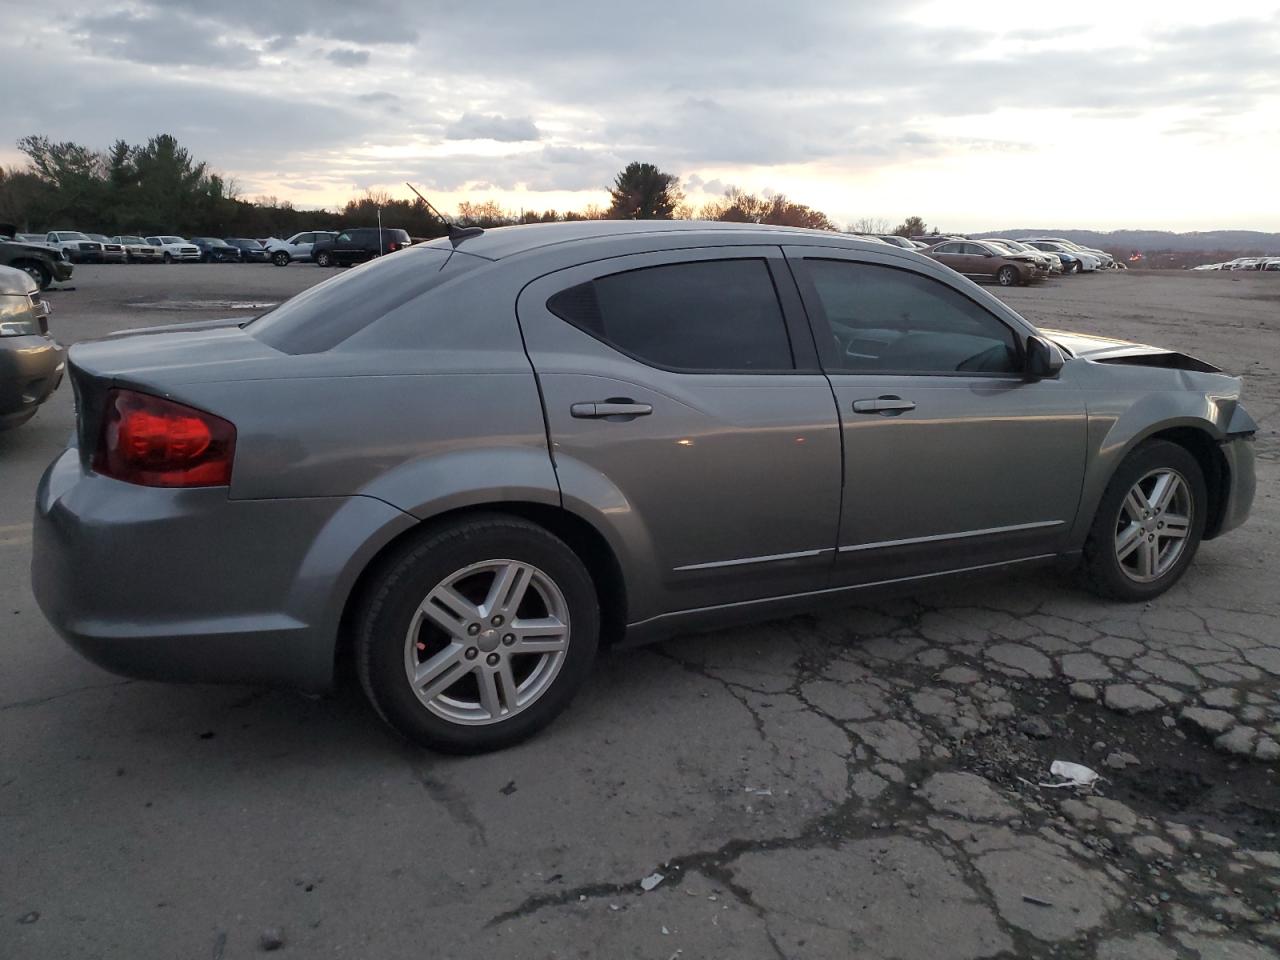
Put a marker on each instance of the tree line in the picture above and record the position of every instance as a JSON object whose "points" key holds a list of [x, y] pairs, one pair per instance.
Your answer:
{"points": [[159, 187]]}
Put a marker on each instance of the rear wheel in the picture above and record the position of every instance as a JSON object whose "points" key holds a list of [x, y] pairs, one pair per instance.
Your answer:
{"points": [[477, 635], [1008, 276], [280, 258], [1149, 523]]}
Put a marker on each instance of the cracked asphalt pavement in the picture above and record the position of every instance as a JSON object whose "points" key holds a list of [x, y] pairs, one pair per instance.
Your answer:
{"points": [[859, 783]]}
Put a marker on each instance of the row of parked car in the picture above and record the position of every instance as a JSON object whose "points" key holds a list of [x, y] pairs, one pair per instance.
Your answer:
{"points": [[1271, 264], [324, 247], [1006, 261]]}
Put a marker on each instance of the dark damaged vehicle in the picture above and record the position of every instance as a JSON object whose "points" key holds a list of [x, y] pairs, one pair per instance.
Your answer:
{"points": [[464, 466], [31, 361], [42, 263]]}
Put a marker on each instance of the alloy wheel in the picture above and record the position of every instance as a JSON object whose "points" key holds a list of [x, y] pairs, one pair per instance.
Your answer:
{"points": [[487, 642], [1152, 526]]}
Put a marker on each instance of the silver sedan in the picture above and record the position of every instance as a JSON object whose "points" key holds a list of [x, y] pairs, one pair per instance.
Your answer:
{"points": [[470, 464]]}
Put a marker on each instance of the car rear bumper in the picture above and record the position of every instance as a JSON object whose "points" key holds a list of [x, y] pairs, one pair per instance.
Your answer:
{"points": [[189, 585], [30, 370]]}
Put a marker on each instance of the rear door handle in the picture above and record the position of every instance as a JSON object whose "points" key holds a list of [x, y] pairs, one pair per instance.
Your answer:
{"points": [[887, 405], [601, 409]]}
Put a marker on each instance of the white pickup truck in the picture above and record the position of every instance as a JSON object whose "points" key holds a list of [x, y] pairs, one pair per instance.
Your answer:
{"points": [[176, 249], [297, 247]]}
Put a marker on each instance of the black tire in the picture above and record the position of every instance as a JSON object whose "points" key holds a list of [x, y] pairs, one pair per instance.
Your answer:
{"points": [[168, 257], [324, 259], [1103, 570], [37, 271], [1077, 267], [1008, 276], [407, 577], [280, 258]]}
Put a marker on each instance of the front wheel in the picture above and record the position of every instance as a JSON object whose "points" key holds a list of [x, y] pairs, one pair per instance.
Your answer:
{"points": [[38, 272], [168, 257], [280, 258], [1077, 267], [478, 634], [324, 259], [1149, 523], [1008, 276]]}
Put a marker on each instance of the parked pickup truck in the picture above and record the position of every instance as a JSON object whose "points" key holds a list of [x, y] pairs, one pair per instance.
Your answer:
{"points": [[173, 249], [76, 245]]}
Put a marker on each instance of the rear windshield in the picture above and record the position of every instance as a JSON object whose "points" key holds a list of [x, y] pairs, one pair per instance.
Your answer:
{"points": [[322, 317]]}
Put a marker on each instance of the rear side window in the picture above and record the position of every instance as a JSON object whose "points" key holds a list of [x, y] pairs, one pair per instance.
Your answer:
{"points": [[320, 318], [707, 315]]}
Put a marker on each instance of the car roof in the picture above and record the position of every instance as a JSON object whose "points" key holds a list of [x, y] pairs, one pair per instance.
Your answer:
{"points": [[500, 242]]}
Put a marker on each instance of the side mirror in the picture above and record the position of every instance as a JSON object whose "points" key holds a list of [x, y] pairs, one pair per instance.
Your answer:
{"points": [[1043, 360], [987, 253]]}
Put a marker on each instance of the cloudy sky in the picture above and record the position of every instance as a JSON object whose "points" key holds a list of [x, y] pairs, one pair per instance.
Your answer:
{"points": [[1055, 114]]}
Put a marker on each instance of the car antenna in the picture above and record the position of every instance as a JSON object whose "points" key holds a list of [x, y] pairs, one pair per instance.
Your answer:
{"points": [[456, 233]]}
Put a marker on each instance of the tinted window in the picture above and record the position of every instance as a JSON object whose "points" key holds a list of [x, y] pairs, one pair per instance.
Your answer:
{"points": [[330, 312], [947, 248], [706, 315], [888, 320]]}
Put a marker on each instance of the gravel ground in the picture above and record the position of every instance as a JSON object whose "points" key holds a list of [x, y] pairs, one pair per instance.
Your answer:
{"points": [[853, 784]]}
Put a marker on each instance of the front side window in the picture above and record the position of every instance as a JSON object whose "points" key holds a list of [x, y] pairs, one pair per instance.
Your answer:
{"points": [[887, 320], [706, 315]]}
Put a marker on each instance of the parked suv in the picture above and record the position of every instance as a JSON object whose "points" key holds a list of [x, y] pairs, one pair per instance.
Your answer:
{"points": [[987, 261], [43, 263], [359, 244], [251, 251], [213, 250], [297, 247], [463, 468], [77, 246]]}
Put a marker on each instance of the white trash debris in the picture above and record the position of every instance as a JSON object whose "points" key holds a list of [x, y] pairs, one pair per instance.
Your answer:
{"points": [[651, 881], [1073, 774]]}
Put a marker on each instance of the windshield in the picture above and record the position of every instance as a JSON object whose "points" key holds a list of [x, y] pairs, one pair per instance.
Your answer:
{"points": [[71, 235], [172, 240], [130, 239], [325, 315]]}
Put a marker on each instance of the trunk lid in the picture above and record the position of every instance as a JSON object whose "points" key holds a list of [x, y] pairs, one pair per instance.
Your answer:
{"points": [[159, 361]]}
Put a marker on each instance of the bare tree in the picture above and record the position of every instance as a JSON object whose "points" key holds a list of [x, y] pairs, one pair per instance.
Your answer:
{"points": [[873, 226]]}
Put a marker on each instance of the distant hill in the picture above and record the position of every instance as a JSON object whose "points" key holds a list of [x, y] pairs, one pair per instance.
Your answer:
{"points": [[1234, 242]]}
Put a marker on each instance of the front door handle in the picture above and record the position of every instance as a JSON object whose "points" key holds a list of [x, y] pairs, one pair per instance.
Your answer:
{"points": [[887, 405], [613, 407]]}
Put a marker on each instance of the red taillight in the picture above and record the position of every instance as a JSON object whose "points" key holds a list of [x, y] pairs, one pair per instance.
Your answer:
{"points": [[159, 443]]}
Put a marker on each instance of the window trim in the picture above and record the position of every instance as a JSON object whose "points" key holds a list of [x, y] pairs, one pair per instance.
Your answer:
{"points": [[779, 277], [824, 337]]}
